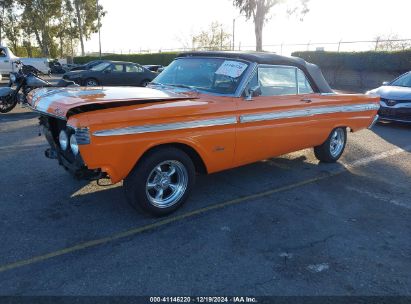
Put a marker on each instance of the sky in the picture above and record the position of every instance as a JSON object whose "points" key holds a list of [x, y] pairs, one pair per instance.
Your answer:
{"points": [[134, 25]]}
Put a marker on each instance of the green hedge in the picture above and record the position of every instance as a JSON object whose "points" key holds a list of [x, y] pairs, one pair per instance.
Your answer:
{"points": [[157, 58], [395, 62]]}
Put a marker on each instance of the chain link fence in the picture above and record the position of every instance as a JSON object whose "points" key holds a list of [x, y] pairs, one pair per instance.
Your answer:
{"points": [[287, 48]]}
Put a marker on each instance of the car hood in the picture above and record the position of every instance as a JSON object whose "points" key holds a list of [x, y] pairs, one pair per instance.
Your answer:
{"points": [[393, 92], [61, 102]]}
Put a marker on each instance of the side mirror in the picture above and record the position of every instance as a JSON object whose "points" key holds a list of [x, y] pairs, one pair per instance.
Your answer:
{"points": [[107, 71], [385, 83], [253, 92]]}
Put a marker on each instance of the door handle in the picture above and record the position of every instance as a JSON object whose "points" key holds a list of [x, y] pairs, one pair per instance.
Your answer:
{"points": [[306, 100]]}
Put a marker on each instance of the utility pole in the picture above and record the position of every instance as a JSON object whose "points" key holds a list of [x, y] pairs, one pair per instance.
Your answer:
{"points": [[233, 34], [99, 26], [221, 38], [376, 43]]}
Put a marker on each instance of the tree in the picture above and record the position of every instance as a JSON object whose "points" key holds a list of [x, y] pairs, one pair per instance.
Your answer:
{"points": [[66, 31], [5, 5], [87, 19], [391, 42], [214, 38], [54, 25], [11, 28], [41, 16], [259, 10]]}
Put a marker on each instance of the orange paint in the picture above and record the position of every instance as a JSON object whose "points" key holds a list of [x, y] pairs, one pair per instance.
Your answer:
{"points": [[221, 146]]}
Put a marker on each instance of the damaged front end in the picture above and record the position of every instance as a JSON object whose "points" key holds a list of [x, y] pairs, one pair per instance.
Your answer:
{"points": [[64, 142]]}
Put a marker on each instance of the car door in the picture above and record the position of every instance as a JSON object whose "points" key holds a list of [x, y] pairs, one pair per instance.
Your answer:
{"points": [[134, 74], [113, 75], [274, 121]]}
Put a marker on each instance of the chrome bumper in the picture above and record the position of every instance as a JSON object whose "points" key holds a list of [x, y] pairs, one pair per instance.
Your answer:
{"points": [[374, 121]]}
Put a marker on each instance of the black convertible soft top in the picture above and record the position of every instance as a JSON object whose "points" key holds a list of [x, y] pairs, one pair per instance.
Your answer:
{"points": [[312, 71]]}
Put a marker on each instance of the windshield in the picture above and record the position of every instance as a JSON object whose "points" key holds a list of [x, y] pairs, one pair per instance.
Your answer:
{"points": [[403, 81], [215, 75], [100, 66]]}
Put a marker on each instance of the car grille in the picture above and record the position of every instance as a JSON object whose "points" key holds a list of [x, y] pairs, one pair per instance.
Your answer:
{"points": [[83, 136], [54, 126], [395, 114], [393, 102]]}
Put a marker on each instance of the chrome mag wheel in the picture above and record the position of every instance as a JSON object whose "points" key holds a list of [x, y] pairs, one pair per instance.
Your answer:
{"points": [[337, 142], [166, 183]]}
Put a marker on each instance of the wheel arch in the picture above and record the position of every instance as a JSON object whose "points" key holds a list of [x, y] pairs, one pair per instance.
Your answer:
{"points": [[91, 77], [191, 151]]}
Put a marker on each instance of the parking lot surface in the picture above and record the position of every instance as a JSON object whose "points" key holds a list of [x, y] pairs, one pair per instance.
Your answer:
{"points": [[285, 226]]}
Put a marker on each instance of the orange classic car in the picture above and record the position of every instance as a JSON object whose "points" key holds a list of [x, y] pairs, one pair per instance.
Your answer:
{"points": [[206, 112]]}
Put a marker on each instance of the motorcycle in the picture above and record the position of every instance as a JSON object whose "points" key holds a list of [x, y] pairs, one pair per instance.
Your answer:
{"points": [[25, 80]]}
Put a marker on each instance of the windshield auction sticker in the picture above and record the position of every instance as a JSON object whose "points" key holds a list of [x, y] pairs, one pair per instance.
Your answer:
{"points": [[232, 69]]}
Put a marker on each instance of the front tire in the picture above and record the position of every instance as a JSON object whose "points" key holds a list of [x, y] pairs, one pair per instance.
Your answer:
{"points": [[333, 148], [7, 104], [91, 82], [161, 181]]}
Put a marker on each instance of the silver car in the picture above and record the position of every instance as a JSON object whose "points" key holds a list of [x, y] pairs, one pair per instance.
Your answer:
{"points": [[395, 99]]}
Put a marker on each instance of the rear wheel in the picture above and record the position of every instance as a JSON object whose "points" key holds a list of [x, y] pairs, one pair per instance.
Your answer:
{"points": [[333, 148], [7, 103], [161, 181], [91, 82]]}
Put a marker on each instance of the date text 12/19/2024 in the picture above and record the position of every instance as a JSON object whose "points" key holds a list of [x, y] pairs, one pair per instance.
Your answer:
{"points": [[238, 299]]}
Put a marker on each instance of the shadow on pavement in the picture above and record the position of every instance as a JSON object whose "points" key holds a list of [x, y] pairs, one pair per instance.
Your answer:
{"points": [[9, 117], [386, 130]]}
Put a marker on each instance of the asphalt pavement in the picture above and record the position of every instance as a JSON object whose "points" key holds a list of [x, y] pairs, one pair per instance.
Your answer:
{"points": [[285, 226]]}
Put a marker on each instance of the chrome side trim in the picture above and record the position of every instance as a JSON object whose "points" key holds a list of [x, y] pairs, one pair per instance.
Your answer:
{"points": [[233, 120], [308, 112], [168, 127], [374, 121]]}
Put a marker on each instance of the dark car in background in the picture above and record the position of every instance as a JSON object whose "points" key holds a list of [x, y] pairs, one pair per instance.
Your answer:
{"points": [[154, 67], [87, 66], [395, 99], [112, 73], [56, 67]]}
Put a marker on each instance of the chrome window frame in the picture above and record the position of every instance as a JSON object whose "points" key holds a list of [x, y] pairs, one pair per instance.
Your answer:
{"points": [[257, 66]]}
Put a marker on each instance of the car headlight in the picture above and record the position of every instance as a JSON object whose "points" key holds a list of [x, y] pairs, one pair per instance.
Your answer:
{"points": [[63, 140], [13, 78], [73, 144]]}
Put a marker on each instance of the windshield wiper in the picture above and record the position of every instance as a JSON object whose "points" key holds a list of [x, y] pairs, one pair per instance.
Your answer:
{"points": [[184, 86]]}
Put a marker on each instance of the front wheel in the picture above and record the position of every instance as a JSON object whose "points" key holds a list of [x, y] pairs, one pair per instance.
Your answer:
{"points": [[7, 103], [333, 148], [161, 181], [91, 82]]}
